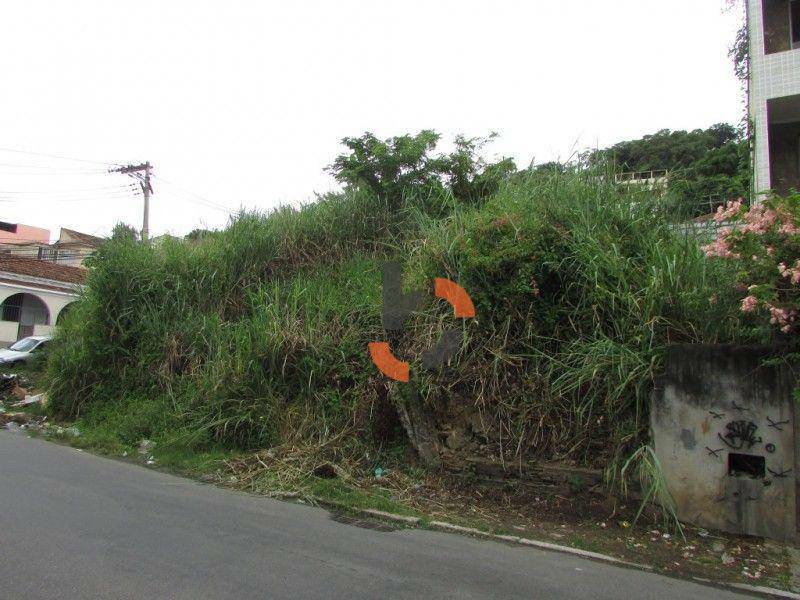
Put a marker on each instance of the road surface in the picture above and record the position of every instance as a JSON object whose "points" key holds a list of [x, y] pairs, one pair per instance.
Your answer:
{"points": [[74, 525]]}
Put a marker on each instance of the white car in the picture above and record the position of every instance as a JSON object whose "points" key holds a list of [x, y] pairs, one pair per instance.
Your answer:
{"points": [[24, 349]]}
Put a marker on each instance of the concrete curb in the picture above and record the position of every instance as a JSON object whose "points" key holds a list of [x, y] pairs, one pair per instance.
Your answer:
{"points": [[771, 592], [453, 528], [754, 589], [443, 526], [596, 556]]}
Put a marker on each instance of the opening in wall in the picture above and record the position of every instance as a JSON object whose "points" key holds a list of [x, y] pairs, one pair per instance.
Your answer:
{"points": [[746, 465]]}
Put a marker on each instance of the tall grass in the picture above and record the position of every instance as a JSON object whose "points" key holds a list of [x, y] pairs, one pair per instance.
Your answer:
{"points": [[579, 289], [257, 335]]}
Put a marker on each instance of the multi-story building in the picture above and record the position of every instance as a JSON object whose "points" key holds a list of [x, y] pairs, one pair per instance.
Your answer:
{"points": [[17, 233], [71, 249], [774, 93]]}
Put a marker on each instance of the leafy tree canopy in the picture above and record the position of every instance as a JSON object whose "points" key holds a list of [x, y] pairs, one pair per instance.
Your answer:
{"points": [[707, 167], [123, 231], [393, 167]]}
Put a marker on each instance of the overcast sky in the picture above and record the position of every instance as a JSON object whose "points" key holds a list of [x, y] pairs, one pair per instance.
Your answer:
{"points": [[244, 103]]}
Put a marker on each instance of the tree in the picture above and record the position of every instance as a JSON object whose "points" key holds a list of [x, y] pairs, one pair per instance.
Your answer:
{"points": [[123, 231], [389, 167], [470, 178], [707, 166], [402, 165], [197, 234]]}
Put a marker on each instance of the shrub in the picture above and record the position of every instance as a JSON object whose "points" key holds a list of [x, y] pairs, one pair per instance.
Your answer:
{"points": [[764, 241], [578, 290]]}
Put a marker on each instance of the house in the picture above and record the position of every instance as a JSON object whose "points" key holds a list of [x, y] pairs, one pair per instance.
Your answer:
{"points": [[16, 233], [73, 247], [774, 93], [23, 240], [35, 295]]}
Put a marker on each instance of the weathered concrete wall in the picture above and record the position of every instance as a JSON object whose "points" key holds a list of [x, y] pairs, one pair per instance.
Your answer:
{"points": [[717, 414]]}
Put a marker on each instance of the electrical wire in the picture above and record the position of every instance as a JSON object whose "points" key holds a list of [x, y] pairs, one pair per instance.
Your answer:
{"points": [[49, 173], [71, 191], [60, 157], [197, 197]]}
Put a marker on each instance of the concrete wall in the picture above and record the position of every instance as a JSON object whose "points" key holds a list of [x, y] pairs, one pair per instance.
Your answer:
{"points": [[8, 332], [716, 407], [25, 233], [43, 329]]}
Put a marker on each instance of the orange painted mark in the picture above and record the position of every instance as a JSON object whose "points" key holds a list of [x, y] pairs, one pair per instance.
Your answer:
{"points": [[386, 362], [455, 295]]}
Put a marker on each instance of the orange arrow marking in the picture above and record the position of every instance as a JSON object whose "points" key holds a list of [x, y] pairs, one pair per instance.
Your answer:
{"points": [[386, 362], [455, 295]]}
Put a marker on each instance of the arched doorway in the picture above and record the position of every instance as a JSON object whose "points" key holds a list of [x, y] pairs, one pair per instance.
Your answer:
{"points": [[27, 310], [63, 313]]}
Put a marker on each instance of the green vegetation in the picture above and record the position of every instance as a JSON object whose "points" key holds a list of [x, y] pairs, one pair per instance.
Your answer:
{"points": [[256, 336], [707, 167], [578, 289]]}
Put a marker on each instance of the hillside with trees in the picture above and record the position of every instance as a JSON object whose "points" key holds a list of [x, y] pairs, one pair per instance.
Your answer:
{"points": [[707, 167]]}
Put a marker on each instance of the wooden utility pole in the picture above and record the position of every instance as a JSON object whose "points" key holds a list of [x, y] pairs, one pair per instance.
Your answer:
{"points": [[135, 171]]}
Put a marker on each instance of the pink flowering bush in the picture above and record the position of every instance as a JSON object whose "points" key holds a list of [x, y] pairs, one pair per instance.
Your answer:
{"points": [[765, 239]]}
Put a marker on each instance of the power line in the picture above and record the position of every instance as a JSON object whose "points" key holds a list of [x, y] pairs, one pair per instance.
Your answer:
{"points": [[71, 191], [40, 201], [58, 197], [198, 197], [58, 156], [60, 173], [49, 167]]}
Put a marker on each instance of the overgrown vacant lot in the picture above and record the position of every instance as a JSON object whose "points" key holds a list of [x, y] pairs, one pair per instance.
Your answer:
{"points": [[256, 336]]}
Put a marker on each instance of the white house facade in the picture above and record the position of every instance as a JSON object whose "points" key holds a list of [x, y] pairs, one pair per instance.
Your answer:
{"points": [[35, 295], [774, 93]]}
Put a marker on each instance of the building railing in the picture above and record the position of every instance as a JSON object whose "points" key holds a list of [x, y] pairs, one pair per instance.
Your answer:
{"points": [[47, 253], [642, 176], [14, 312]]}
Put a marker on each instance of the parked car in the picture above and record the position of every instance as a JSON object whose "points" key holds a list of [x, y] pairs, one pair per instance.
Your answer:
{"points": [[24, 349]]}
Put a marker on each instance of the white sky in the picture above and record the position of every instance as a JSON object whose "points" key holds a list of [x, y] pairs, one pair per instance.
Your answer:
{"points": [[244, 103]]}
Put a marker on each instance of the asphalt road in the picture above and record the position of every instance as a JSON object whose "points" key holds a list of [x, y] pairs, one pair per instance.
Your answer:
{"points": [[73, 525]]}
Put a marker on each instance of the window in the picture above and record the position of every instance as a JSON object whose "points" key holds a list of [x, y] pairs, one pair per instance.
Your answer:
{"points": [[24, 345], [10, 227], [48, 254], [795, 17]]}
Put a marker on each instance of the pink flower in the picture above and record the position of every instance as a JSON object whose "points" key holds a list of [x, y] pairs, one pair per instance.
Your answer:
{"points": [[786, 328], [731, 210], [770, 251], [789, 228], [749, 304], [782, 317], [759, 219], [790, 273], [720, 246]]}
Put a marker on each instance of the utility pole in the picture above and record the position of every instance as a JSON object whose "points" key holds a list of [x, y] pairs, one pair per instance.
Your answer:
{"points": [[135, 171]]}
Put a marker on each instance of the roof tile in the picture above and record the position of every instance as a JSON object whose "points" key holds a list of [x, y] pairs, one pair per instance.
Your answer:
{"points": [[22, 265]]}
